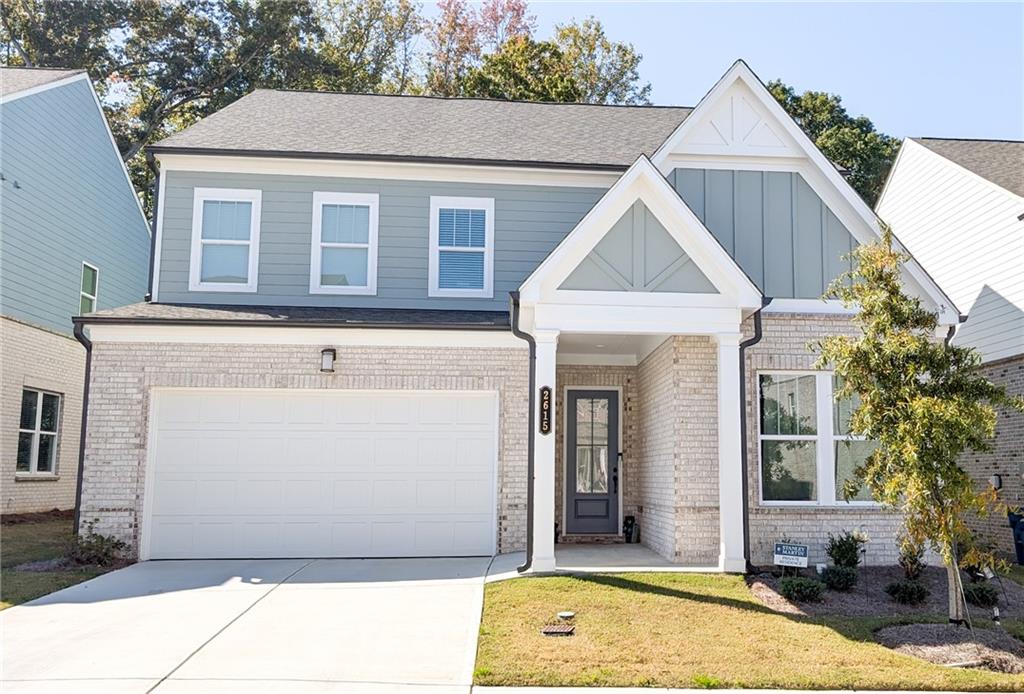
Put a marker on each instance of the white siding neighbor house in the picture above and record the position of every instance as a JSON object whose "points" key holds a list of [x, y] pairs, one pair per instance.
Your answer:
{"points": [[410, 326], [958, 206]]}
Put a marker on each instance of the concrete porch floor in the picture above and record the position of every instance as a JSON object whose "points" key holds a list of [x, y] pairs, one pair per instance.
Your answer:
{"points": [[582, 558]]}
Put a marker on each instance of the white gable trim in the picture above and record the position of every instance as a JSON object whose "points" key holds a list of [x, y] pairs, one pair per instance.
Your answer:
{"points": [[820, 170], [43, 87], [642, 181]]}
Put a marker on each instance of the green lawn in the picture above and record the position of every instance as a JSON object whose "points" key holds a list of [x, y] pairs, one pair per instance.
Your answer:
{"points": [[1017, 573], [46, 538], [690, 630]]}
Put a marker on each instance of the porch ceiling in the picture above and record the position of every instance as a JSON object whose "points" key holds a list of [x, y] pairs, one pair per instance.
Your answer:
{"points": [[606, 348]]}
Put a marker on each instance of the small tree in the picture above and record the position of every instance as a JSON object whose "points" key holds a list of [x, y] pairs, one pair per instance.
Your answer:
{"points": [[924, 402]]}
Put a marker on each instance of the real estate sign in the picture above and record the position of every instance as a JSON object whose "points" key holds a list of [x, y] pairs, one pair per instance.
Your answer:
{"points": [[788, 554]]}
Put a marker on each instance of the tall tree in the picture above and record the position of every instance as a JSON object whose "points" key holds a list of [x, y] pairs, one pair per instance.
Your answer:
{"points": [[606, 71], [852, 143], [524, 70], [924, 402], [454, 47], [500, 20]]}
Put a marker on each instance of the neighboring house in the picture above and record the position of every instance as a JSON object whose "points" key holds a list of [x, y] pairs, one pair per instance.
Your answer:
{"points": [[73, 239], [958, 206], [330, 365]]}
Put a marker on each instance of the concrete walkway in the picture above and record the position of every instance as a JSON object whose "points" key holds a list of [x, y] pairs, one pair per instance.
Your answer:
{"points": [[252, 626]]}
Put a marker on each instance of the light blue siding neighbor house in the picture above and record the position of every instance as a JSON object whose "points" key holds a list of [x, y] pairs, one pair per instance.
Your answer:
{"points": [[73, 239], [410, 326]]}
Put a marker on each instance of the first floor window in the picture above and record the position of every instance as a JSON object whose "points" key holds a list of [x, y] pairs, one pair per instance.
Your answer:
{"points": [[89, 289], [461, 247], [225, 240], [37, 432], [807, 451], [344, 250]]}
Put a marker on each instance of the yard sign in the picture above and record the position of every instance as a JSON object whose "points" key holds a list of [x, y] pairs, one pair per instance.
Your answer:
{"points": [[787, 554]]}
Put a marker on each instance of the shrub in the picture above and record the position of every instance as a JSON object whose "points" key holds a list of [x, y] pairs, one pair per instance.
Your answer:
{"points": [[91, 548], [911, 558], [844, 549], [981, 594], [907, 592], [800, 589], [841, 578]]}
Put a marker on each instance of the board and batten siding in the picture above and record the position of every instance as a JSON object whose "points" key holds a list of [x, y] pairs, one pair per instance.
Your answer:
{"points": [[965, 232], [775, 226], [65, 200], [529, 221]]}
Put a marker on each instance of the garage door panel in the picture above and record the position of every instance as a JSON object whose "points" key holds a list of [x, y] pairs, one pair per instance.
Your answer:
{"points": [[321, 473]]}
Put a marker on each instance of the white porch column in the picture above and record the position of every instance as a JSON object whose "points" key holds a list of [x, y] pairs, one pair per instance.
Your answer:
{"points": [[544, 457], [730, 460]]}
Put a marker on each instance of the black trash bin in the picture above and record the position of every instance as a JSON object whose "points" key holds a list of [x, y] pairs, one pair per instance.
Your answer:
{"points": [[1017, 524]]}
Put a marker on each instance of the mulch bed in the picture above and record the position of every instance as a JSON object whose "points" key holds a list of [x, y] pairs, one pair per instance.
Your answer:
{"points": [[946, 644], [869, 599], [19, 518]]}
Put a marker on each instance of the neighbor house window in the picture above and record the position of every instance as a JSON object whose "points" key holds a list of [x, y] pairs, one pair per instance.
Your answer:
{"points": [[37, 432], [806, 449], [89, 289], [344, 249], [225, 240], [461, 247]]}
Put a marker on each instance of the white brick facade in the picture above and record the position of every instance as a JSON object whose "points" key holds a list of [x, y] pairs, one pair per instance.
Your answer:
{"points": [[37, 358], [124, 374]]}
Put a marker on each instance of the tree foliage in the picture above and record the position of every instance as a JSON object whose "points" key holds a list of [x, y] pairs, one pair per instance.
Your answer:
{"points": [[605, 71], [852, 143], [523, 70], [923, 401]]}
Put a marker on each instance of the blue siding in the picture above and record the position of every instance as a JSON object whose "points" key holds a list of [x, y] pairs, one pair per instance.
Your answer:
{"points": [[71, 204], [775, 226], [529, 221]]}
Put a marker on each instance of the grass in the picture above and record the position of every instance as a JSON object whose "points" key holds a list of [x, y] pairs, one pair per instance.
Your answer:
{"points": [[690, 630], [38, 540], [1016, 573]]}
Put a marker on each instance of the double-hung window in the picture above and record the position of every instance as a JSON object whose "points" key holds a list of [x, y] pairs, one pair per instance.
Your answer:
{"points": [[225, 240], [37, 433], [807, 452], [344, 249], [89, 289], [461, 247]]}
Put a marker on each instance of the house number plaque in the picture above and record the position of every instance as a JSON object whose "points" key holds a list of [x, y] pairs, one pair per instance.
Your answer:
{"points": [[545, 410]]}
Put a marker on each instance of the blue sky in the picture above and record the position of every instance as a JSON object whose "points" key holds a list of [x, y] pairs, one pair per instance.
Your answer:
{"points": [[933, 69]]}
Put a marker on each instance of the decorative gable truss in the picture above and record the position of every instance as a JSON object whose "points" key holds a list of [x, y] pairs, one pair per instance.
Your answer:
{"points": [[740, 126], [637, 258]]}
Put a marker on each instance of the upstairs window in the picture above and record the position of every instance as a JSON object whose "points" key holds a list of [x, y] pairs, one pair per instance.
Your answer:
{"points": [[89, 289], [225, 240], [37, 433], [344, 249], [462, 247], [807, 450]]}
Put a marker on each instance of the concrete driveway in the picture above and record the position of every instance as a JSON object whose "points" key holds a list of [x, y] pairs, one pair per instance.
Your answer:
{"points": [[339, 625]]}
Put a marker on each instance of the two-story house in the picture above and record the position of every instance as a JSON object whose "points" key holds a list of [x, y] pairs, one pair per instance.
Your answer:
{"points": [[406, 326], [958, 206], [73, 239]]}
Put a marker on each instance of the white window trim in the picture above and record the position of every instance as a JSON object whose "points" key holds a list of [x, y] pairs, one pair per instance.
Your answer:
{"points": [[81, 286], [371, 200], [485, 204], [201, 195], [824, 439], [33, 464]]}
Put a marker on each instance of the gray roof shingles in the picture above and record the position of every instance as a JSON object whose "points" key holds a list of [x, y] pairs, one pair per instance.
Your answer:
{"points": [[999, 161], [18, 79], [363, 126], [305, 315]]}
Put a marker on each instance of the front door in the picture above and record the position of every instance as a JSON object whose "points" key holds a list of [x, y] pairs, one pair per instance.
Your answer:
{"points": [[592, 462]]}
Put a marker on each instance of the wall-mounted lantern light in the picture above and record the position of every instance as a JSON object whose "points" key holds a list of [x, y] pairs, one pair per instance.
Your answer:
{"points": [[996, 481], [327, 360]]}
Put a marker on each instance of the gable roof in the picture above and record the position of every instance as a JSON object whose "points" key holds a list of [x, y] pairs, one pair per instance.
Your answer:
{"points": [[998, 161], [19, 79], [415, 128]]}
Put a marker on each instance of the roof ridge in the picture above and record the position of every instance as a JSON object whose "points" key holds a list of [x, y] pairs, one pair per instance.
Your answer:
{"points": [[438, 97], [42, 68], [970, 139]]}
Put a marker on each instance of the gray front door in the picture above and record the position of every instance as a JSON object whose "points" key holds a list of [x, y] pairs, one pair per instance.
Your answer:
{"points": [[592, 462]]}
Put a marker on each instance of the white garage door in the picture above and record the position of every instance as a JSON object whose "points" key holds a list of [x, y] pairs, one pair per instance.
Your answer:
{"points": [[274, 473]]}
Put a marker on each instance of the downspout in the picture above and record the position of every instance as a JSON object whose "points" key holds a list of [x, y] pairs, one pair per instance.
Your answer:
{"points": [[514, 296], [743, 428], [151, 163], [87, 343]]}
